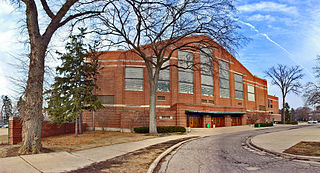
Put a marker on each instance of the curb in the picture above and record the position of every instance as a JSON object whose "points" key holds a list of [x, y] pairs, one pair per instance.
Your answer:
{"points": [[165, 153], [250, 144]]}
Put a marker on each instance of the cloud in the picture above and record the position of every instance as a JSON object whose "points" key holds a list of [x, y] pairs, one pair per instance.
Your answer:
{"points": [[269, 7], [5, 8], [6, 40], [259, 17], [278, 45]]}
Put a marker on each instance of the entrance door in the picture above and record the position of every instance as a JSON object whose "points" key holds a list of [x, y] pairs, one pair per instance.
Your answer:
{"points": [[195, 121], [235, 121], [218, 121]]}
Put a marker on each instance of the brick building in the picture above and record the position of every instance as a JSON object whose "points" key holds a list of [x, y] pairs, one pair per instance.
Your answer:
{"points": [[228, 96]]}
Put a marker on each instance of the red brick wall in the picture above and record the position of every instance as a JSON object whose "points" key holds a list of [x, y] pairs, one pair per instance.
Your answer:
{"points": [[48, 129], [128, 114]]}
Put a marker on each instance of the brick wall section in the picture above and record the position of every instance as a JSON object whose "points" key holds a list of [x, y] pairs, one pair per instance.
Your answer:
{"points": [[130, 108], [48, 129]]}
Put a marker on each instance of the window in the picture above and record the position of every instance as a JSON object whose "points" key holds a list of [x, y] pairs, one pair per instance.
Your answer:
{"points": [[203, 101], [166, 117], [224, 79], [238, 86], [106, 99], [161, 98], [164, 78], [251, 92], [185, 59], [262, 108], [206, 72], [133, 79], [211, 101]]}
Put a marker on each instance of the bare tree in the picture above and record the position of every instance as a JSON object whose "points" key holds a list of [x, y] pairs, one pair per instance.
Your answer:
{"points": [[287, 79], [302, 113], [40, 33], [155, 30], [312, 89]]}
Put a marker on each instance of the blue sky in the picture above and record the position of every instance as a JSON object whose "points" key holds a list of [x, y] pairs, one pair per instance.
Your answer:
{"points": [[282, 31]]}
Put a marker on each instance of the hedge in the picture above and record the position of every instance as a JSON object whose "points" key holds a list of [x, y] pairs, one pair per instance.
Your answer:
{"points": [[161, 129], [263, 124]]}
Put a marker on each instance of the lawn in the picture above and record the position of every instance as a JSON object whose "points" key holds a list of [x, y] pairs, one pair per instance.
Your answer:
{"points": [[69, 143], [305, 149]]}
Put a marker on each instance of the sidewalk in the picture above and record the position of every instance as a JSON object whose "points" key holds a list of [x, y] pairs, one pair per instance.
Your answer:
{"points": [[282, 140], [65, 161]]}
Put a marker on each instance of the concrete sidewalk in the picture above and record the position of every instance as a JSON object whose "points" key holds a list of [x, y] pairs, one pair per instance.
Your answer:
{"points": [[65, 161], [282, 140]]}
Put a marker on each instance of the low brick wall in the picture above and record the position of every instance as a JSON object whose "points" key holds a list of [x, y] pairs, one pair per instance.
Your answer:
{"points": [[48, 129]]}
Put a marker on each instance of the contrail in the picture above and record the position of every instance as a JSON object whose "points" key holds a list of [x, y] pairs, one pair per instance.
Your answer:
{"points": [[275, 43]]}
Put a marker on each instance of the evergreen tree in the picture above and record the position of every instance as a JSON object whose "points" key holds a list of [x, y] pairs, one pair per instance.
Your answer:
{"points": [[6, 109], [71, 93], [287, 113]]}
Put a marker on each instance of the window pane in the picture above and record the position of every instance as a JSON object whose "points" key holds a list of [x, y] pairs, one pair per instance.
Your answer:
{"points": [[131, 72], [224, 83], [225, 93], [185, 77], [238, 78], [164, 75], [250, 88], [134, 84], [223, 65], [224, 74], [106, 99], [207, 80], [250, 97], [163, 86], [185, 88], [238, 86], [185, 59], [207, 90], [239, 94]]}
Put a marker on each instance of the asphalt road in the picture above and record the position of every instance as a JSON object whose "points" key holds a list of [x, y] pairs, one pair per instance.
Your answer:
{"points": [[228, 153]]}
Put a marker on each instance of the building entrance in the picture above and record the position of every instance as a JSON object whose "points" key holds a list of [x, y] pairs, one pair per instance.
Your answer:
{"points": [[217, 121], [235, 121], [195, 121]]}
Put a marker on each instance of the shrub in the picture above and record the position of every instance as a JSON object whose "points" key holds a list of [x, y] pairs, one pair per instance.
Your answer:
{"points": [[263, 124], [161, 129], [292, 122]]}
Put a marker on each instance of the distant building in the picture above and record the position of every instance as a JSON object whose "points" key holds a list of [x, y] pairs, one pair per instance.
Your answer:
{"points": [[273, 108], [185, 97]]}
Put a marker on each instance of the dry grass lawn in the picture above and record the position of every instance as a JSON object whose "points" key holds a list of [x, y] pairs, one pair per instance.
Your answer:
{"points": [[137, 161], [90, 139], [68, 142], [305, 149]]}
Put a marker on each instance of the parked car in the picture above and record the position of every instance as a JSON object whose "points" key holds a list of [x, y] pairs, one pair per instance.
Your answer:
{"points": [[312, 122], [1, 125], [5, 126]]}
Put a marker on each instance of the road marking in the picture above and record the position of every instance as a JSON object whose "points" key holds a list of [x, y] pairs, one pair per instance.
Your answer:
{"points": [[252, 168]]}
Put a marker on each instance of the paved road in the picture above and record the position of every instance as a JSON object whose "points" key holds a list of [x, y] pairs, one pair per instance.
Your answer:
{"points": [[228, 153]]}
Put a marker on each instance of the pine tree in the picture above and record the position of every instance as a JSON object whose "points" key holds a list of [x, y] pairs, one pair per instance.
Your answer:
{"points": [[6, 109], [71, 93]]}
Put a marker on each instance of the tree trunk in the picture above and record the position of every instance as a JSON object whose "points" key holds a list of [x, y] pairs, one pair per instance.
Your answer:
{"points": [[32, 115], [152, 110], [80, 123], [93, 121], [283, 116], [76, 127]]}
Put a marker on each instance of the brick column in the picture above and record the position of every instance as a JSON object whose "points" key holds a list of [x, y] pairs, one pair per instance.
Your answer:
{"points": [[244, 119], [227, 120], [15, 130], [206, 119]]}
